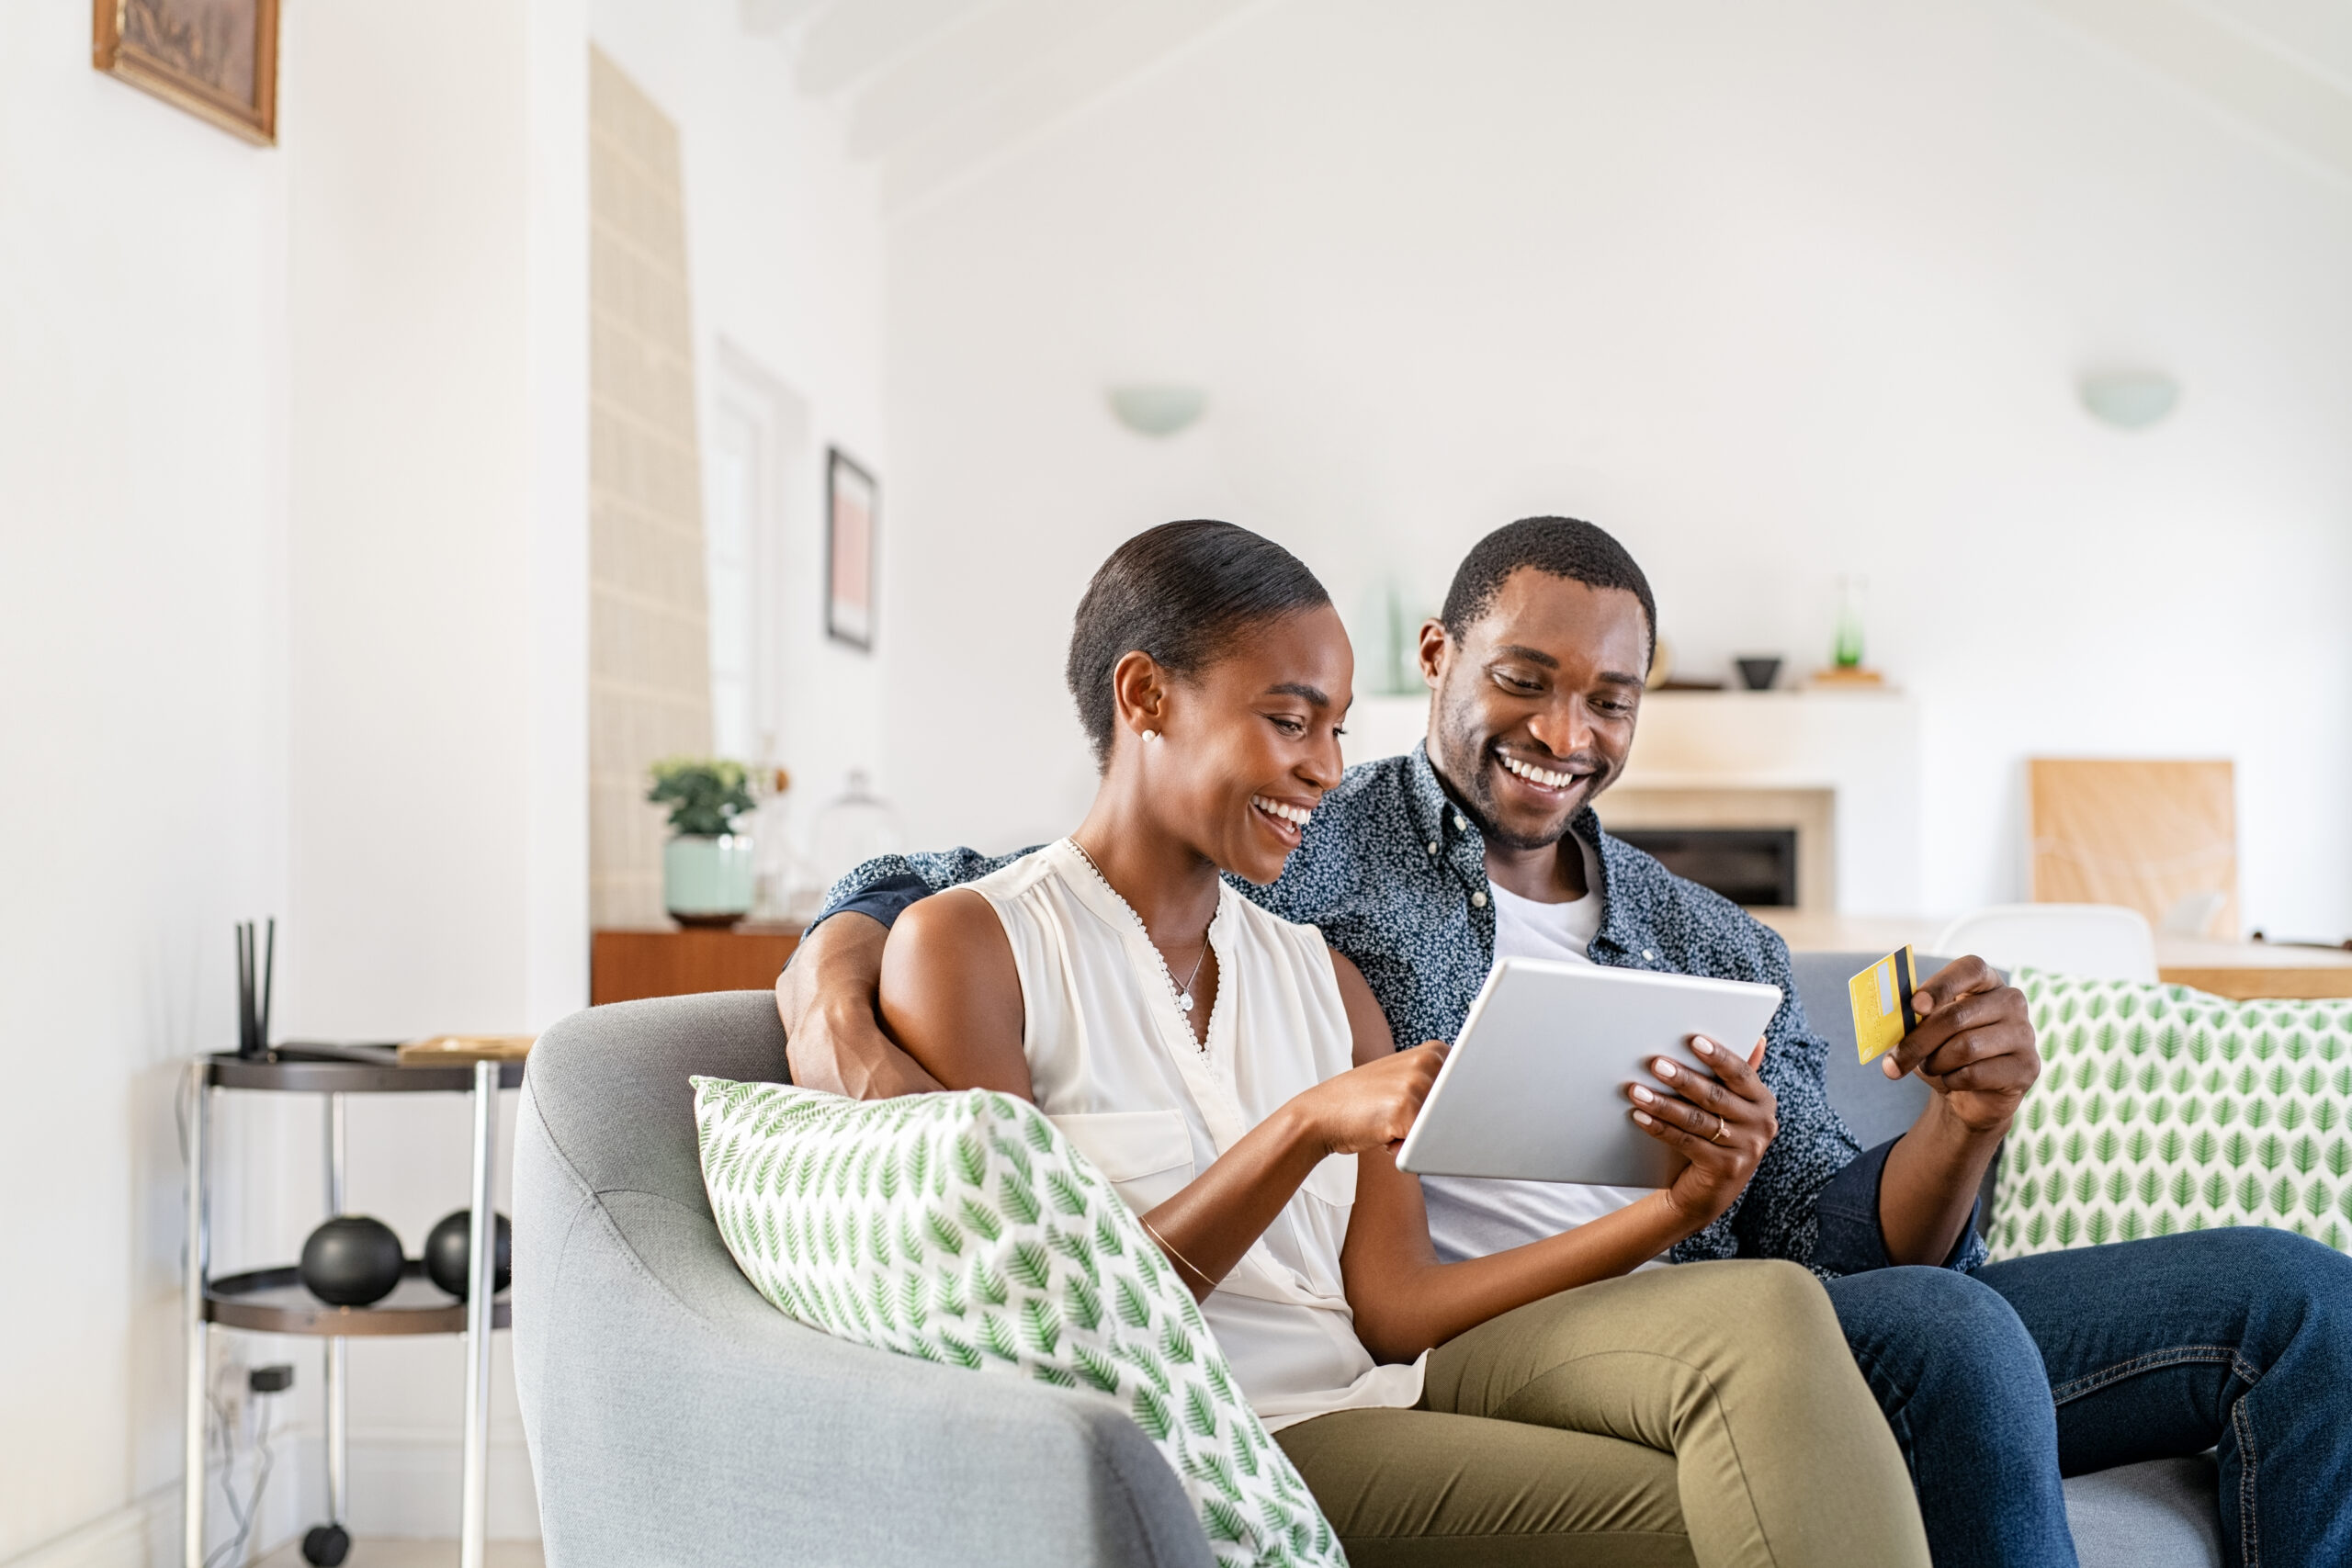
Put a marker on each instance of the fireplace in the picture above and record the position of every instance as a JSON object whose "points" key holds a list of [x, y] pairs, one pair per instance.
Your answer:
{"points": [[1754, 866], [1761, 848]]}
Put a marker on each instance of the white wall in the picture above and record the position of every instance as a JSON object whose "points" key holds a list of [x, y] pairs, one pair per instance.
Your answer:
{"points": [[437, 590], [292, 602], [143, 427], [1771, 291], [292, 471], [438, 560], [785, 249]]}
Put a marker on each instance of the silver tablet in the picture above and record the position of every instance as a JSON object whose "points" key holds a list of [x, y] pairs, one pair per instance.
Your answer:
{"points": [[1535, 1088]]}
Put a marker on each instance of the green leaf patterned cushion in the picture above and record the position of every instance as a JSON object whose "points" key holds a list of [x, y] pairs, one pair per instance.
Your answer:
{"points": [[963, 1228], [2161, 1109]]}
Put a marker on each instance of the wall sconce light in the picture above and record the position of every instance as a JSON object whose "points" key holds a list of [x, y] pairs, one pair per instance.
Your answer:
{"points": [[2129, 399], [1157, 409]]}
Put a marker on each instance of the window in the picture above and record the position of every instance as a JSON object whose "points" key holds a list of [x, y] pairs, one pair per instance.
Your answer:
{"points": [[732, 527], [761, 599]]}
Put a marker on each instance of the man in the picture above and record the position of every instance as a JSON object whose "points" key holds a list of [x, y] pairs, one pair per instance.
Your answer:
{"points": [[1996, 1379]]}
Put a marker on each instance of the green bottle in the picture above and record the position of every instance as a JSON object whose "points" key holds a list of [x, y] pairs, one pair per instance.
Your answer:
{"points": [[1848, 652]]}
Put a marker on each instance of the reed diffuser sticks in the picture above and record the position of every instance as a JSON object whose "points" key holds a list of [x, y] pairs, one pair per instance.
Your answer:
{"points": [[253, 994]]}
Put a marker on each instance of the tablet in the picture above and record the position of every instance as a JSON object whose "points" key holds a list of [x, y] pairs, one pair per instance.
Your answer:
{"points": [[1534, 1090]]}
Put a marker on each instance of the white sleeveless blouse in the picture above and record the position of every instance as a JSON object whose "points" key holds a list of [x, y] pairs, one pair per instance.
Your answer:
{"points": [[1114, 1065]]}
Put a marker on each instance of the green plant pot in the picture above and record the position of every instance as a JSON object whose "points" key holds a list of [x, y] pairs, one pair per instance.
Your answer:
{"points": [[706, 881]]}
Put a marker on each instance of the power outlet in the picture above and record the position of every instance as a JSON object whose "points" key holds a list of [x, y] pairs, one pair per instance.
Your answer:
{"points": [[231, 1382]]}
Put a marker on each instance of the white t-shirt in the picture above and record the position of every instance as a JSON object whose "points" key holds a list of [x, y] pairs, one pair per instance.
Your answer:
{"points": [[1471, 1216]]}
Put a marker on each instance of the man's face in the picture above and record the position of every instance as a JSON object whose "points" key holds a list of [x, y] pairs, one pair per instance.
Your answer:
{"points": [[1534, 707]]}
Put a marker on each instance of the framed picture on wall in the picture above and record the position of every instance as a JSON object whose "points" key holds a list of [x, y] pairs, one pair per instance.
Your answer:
{"points": [[213, 58], [851, 497]]}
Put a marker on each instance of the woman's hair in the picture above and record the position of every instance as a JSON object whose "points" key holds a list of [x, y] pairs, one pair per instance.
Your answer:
{"points": [[1182, 592]]}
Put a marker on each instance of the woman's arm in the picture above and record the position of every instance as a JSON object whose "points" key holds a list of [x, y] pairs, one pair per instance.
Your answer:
{"points": [[951, 993], [1207, 1226], [1407, 1301]]}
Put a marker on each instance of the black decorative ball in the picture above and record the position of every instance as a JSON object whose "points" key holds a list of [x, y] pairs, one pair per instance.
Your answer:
{"points": [[447, 1248], [352, 1261], [326, 1546]]}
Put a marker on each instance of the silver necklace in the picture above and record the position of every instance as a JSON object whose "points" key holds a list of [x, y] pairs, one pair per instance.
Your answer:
{"points": [[1183, 990]]}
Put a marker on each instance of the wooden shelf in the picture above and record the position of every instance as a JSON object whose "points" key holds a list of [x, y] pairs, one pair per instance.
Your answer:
{"points": [[628, 965], [2275, 981]]}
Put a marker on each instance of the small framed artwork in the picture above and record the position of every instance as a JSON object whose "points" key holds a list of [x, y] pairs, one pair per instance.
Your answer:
{"points": [[851, 496], [213, 58]]}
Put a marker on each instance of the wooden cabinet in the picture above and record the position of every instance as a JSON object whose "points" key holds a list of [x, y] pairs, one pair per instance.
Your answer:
{"points": [[626, 965]]}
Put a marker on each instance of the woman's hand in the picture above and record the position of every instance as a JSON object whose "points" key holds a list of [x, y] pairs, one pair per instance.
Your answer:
{"points": [[1372, 1107], [1721, 1123]]}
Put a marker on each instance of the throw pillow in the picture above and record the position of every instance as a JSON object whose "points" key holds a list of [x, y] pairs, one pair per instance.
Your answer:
{"points": [[963, 1228], [2161, 1109]]}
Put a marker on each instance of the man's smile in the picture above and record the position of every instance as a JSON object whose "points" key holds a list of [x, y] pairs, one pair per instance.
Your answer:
{"points": [[1553, 781], [1542, 778]]}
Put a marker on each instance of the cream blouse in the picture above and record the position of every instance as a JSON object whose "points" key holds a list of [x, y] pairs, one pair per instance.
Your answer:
{"points": [[1114, 1065]]}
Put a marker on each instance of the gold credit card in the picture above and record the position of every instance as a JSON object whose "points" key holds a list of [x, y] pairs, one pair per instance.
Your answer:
{"points": [[1882, 999]]}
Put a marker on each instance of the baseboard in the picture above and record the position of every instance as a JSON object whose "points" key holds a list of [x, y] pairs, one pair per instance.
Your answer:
{"points": [[144, 1533], [404, 1484]]}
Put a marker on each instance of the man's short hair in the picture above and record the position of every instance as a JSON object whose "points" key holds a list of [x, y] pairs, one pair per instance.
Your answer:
{"points": [[1562, 547]]}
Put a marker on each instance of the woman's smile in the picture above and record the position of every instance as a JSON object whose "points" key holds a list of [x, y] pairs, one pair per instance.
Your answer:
{"points": [[1286, 821]]}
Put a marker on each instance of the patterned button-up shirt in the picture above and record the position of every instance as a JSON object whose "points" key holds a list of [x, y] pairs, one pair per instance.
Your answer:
{"points": [[1396, 875]]}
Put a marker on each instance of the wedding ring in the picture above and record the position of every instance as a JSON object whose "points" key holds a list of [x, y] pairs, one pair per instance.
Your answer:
{"points": [[1720, 1125]]}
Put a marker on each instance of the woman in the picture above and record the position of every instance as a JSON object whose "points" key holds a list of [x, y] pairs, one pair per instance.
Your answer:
{"points": [[1237, 1082]]}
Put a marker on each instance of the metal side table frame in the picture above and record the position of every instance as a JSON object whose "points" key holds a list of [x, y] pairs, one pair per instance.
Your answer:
{"points": [[273, 1299]]}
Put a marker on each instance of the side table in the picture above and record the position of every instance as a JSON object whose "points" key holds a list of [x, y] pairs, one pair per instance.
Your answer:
{"points": [[625, 965], [274, 1300]]}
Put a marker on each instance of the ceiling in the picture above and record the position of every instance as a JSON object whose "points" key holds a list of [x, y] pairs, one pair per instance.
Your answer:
{"points": [[2280, 68], [934, 88]]}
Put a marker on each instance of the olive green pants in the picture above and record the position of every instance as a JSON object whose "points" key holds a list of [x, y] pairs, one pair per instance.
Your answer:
{"points": [[1705, 1414]]}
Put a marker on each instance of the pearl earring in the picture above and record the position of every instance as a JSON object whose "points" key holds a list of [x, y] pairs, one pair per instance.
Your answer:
{"points": [[1150, 736]]}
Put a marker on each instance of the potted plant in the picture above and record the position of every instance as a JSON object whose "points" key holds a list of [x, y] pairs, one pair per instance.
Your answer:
{"points": [[706, 867]]}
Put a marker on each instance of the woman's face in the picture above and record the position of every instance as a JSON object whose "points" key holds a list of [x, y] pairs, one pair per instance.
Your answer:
{"points": [[1250, 744]]}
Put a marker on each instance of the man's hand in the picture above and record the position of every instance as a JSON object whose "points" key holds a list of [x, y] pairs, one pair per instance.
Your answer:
{"points": [[1721, 1123], [1974, 1045], [826, 998]]}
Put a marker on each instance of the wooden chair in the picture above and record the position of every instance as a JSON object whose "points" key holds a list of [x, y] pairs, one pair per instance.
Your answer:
{"points": [[2160, 838]]}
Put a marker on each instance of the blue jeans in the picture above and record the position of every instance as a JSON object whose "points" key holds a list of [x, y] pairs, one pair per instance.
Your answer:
{"points": [[1998, 1383]]}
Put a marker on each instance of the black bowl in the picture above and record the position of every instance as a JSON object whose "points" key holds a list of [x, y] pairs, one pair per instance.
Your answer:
{"points": [[1757, 674]]}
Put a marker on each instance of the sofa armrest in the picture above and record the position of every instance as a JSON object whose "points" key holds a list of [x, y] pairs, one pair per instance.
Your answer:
{"points": [[675, 1417]]}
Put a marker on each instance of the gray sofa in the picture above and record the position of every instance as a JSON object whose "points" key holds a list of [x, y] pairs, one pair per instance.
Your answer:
{"points": [[2162, 1513], [674, 1417]]}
